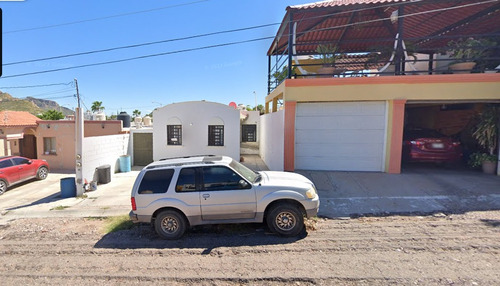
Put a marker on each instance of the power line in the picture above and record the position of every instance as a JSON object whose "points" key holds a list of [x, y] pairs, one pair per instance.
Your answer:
{"points": [[142, 57], [103, 18], [143, 44], [34, 86]]}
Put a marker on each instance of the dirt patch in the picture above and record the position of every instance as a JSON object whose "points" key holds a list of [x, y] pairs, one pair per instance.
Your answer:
{"points": [[392, 250]]}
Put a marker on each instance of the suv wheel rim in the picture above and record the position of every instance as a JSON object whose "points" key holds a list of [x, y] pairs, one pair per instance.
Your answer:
{"points": [[3, 187], [285, 221], [169, 225], [42, 173]]}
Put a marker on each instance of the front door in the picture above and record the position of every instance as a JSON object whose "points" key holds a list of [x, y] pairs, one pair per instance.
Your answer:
{"points": [[225, 195]]}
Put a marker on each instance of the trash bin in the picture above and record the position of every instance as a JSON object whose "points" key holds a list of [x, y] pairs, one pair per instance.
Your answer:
{"points": [[68, 187], [125, 164], [103, 174]]}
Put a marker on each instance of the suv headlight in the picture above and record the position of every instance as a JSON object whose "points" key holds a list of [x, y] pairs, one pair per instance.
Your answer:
{"points": [[311, 193]]}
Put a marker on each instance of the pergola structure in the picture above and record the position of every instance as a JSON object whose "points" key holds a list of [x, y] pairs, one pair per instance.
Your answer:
{"points": [[360, 27]]}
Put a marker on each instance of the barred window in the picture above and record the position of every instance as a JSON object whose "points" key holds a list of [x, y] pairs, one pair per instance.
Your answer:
{"points": [[215, 135], [174, 134]]}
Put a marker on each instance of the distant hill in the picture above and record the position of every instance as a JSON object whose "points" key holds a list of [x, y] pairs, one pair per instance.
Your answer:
{"points": [[32, 105]]}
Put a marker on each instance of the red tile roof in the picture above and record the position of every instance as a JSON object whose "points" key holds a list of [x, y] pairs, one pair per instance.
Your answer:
{"points": [[17, 118]]}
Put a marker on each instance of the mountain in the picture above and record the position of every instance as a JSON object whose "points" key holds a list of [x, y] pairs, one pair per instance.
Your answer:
{"points": [[33, 105]]}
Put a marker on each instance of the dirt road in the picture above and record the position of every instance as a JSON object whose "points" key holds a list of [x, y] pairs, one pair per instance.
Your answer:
{"points": [[395, 250]]}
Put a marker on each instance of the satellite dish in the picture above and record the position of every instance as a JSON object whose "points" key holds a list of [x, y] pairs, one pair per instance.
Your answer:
{"points": [[233, 104]]}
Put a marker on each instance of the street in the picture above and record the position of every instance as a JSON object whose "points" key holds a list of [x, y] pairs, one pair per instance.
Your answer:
{"points": [[457, 249]]}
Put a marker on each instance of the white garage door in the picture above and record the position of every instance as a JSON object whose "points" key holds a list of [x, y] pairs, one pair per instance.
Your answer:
{"points": [[343, 136]]}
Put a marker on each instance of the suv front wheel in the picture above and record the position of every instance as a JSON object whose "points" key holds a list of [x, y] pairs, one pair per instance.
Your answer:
{"points": [[285, 220], [170, 224]]}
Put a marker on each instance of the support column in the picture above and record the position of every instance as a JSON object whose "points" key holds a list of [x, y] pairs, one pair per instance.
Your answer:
{"points": [[395, 138], [289, 144]]}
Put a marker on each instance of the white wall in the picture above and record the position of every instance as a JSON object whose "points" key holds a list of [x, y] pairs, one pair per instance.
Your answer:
{"points": [[194, 117], [272, 138], [103, 150]]}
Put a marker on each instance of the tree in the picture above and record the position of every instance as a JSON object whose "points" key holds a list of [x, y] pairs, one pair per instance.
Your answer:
{"points": [[260, 108], [136, 113], [52, 115], [96, 106]]}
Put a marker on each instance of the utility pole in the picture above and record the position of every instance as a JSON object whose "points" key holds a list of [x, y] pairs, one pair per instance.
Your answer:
{"points": [[79, 145]]}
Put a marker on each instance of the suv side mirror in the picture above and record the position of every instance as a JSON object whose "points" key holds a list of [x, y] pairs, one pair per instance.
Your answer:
{"points": [[243, 184]]}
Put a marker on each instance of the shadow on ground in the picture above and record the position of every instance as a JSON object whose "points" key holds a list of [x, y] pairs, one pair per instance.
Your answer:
{"points": [[208, 238]]}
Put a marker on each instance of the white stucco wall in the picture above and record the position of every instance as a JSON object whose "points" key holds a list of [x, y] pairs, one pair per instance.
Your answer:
{"points": [[103, 150], [272, 140], [195, 116]]}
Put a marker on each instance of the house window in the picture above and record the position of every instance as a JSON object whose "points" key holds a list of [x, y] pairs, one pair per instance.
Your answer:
{"points": [[49, 145], [174, 134], [215, 135], [249, 133]]}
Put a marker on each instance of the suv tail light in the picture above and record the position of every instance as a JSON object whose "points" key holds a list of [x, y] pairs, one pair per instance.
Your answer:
{"points": [[134, 206]]}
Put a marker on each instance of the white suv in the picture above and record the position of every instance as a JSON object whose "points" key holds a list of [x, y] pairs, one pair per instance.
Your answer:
{"points": [[174, 194]]}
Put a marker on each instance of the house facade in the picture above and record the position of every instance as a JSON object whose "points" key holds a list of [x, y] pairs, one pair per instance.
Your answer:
{"points": [[353, 119], [17, 133], [196, 128]]}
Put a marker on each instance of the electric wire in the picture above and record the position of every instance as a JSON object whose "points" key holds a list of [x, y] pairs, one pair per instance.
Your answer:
{"points": [[103, 18], [142, 44], [35, 86], [141, 57]]}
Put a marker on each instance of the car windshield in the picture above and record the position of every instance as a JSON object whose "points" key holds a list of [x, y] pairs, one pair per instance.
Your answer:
{"points": [[244, 171]]}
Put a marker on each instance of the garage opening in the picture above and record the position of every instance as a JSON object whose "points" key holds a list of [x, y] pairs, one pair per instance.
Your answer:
{"points": [[439, 135]]}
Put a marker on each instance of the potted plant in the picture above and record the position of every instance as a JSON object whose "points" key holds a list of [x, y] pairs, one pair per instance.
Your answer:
{"points": [[486, 134], [328, 56], [466, 52]]}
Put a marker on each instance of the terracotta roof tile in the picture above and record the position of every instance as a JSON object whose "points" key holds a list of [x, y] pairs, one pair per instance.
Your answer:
{"points": [[17, 118]]}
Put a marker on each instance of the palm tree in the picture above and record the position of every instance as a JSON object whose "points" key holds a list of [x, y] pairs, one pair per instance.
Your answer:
{"points": [[136, 113], [97, 106]]}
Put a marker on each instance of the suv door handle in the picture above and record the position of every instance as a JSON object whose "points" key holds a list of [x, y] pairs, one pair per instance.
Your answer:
{"points": [[206, 196]]}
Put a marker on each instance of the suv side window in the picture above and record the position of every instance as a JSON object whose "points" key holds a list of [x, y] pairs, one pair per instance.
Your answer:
{"points": [[221, 178], [156, 181], [187, 180], [5, 164], [20, 161]]}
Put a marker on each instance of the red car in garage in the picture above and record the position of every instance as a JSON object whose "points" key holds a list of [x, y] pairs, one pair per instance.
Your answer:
{"points": [[426, 145], [16, 169]]}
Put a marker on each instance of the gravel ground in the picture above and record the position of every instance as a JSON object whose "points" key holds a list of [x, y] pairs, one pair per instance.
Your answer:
{"points": [[459, 249]]}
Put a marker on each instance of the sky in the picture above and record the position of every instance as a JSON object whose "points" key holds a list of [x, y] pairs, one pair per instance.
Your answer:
{"points": [[35, 29]]}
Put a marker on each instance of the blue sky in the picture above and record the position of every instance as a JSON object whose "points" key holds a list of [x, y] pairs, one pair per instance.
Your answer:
{"points": [[222, 74]]}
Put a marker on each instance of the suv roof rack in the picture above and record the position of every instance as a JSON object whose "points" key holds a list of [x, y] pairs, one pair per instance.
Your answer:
{"points": [[187, 157]]}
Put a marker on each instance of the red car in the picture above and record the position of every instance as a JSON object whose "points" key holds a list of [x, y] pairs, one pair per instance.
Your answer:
{"points": [[425, 145], [15, 169]]}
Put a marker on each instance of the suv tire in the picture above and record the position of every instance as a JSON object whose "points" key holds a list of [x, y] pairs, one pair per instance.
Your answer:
{"points": [[170, 224], [42, 173], [3, 187], [285, 220]]}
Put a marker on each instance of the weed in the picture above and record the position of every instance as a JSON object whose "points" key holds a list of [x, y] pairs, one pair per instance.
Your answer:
{"points": [[59, 208], [116, 223]]}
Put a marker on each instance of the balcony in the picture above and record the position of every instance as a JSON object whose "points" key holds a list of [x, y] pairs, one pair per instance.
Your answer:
{"points": [[365, 39]]}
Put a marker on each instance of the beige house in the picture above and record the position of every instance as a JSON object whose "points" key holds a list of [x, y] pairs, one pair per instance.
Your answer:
{"points": [[17, 133]]}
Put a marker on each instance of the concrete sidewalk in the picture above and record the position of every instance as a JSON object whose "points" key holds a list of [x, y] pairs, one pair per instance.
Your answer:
{"points": [[342, 194]]}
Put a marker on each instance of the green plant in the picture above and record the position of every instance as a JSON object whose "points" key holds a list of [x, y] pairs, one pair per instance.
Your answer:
{"points": [[486, 130], [477, 159], [59, 208], [51, 115], [280, 76], [469, 49], [328, 54], [116, 223]]}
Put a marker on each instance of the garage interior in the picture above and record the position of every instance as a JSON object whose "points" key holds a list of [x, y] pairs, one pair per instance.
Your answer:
{"points": [[454, 119]]}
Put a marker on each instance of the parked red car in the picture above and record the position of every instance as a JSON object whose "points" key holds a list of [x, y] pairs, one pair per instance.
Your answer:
{"points": [[425, 145], [15, 169]]}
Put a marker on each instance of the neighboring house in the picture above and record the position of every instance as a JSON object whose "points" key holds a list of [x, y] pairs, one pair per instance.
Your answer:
{"points": [[104, 142], [17, 134], [353, 118], [196, 128], [250, 128]]}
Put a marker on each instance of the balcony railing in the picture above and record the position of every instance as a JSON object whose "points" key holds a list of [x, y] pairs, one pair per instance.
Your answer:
{"points": [[390, 58]]}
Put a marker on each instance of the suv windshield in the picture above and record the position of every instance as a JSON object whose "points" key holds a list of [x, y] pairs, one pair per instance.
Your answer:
{"points": [[244, 171]]}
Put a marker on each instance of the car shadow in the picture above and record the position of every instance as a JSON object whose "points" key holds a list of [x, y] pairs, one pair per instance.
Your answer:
{"points": [[205, 238]]}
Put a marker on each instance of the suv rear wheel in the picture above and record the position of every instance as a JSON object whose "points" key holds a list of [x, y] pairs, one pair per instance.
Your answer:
{"points": [[170, 224], [285, 220], [3, 187]]}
